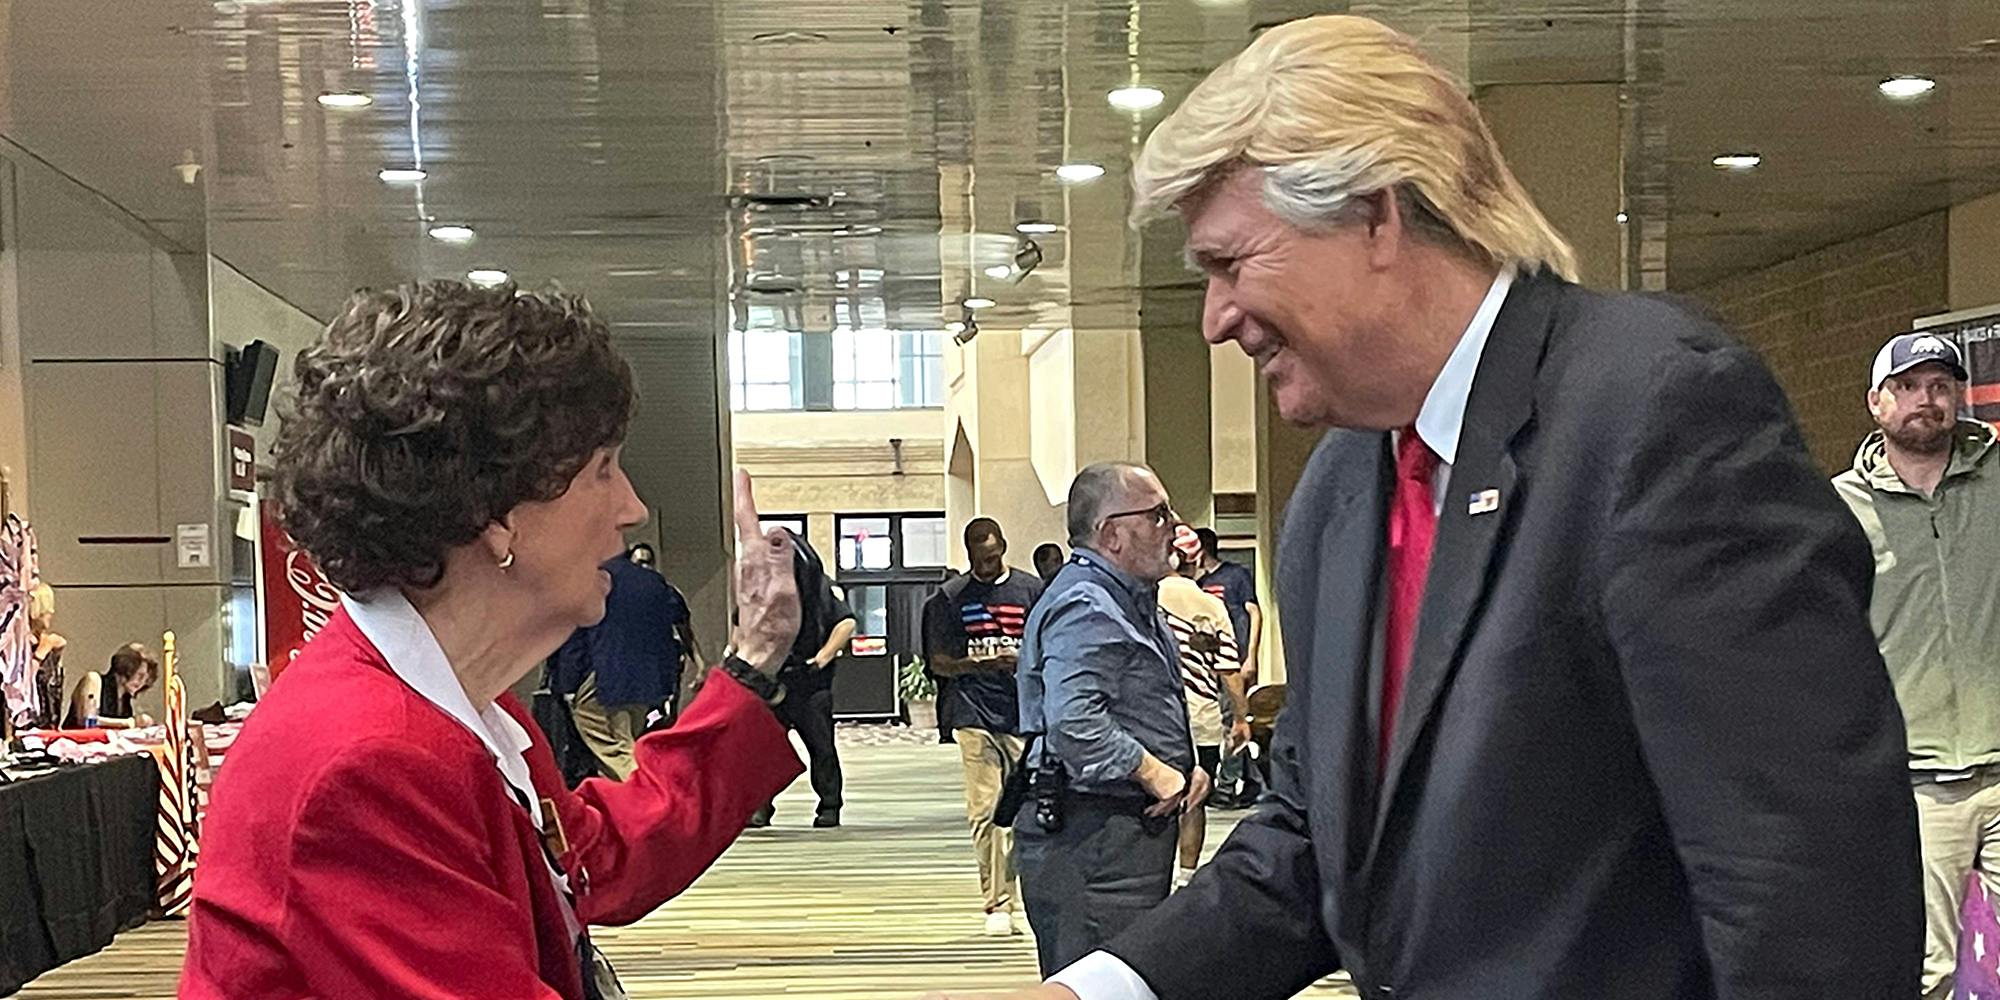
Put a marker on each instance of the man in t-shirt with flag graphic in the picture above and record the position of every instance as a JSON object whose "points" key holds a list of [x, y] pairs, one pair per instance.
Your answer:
{"points": [[972, 642]]}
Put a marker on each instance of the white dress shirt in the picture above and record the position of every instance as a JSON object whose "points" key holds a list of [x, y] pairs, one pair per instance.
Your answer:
{"points": [[1101, 975]]}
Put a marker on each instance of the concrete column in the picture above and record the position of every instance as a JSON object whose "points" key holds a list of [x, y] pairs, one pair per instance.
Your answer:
{"points": [[1563, 142], [1178, 426], [1282, 451], [13, 402]]}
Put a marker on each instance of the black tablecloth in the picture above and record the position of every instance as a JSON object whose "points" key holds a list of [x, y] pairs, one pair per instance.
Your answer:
{"points": [[76, 863]]}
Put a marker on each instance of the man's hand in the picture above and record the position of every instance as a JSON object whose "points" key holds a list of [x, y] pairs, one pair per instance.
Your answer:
{"points": [[767, 597], [1239, 736], [1163, 783], [1198, 788], [1046, 991]]}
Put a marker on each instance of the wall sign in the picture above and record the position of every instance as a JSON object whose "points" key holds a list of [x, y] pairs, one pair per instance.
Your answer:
{"points": [[242, 461]]}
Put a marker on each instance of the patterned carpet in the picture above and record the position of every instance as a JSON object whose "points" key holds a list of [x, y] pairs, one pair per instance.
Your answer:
{"points": [[887, 906]]}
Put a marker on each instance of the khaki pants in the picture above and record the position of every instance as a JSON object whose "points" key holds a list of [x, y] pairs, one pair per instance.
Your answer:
{"points": [[609, 731], [988, 757], [1959, 822]]}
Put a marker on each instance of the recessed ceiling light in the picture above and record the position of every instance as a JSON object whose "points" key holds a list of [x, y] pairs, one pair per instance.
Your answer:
{"points": [[401, 175], [999, 271], [1905, 88], [1623, 218], [1737, 161], [1135, 98], [345, 99], [1079, 173], [452, 234], [1036, 228], [979, 302], [486, 277]]}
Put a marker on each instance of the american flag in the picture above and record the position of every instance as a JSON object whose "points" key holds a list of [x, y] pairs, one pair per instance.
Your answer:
{"points": [[176, 834], [984, 621]]}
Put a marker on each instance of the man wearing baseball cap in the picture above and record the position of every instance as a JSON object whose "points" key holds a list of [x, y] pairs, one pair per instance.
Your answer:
{"points": [[1926, 487]]}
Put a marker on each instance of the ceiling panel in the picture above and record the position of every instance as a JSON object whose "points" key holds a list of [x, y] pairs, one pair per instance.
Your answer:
{"points": [[609, 145]]}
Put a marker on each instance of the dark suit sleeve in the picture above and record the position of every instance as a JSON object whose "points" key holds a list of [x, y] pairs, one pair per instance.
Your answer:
{"points": [[1735, 589], [1248, 926]]}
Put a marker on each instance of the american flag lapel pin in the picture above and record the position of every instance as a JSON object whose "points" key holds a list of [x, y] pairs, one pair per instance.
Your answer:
{"points": [[1484, 502]]}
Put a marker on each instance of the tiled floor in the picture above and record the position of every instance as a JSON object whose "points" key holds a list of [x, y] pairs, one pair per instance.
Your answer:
{"points": [[885, 907]]}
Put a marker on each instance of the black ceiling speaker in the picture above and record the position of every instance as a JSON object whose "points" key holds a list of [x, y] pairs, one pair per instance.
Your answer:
{"points": [[246, 381]]}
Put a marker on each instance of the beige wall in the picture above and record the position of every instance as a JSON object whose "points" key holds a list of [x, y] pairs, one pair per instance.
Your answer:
{"points": [[1819, 318], [106, 310], [1973, 253], [1233, 395], [240, 311], [1562, 141], [823, 464]]}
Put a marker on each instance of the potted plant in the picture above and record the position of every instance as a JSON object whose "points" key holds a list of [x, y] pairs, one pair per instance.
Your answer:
{"points": [[919, 694]]}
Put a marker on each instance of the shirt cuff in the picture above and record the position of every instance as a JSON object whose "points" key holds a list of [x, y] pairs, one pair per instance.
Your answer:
{"points": [[1101, 975]]}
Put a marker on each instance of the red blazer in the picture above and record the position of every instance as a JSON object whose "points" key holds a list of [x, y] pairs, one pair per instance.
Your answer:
{"points": [[362, 843]]}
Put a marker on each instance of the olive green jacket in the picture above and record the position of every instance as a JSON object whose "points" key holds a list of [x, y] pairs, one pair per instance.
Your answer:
{"points": [[1936, 608]]}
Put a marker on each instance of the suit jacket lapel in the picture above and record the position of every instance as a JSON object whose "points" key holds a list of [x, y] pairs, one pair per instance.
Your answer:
{"points": [[1502, 402]]}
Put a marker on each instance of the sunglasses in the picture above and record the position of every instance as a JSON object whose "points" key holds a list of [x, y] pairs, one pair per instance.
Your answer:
{"points": [[1160, 514]]}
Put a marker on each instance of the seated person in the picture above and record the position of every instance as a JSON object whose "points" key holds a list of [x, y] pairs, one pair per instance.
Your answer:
{"points": [[107, 697]]}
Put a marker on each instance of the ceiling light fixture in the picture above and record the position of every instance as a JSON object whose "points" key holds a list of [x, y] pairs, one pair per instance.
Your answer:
{"points": [[954, 327], [1036, 228], [999, 271], [1079, 173], [1623, 218], [452, 234], [1905, 87], [401, 175], [345, 100], [1737, 161], [486, 277], [1135, 98], [978, 302]]}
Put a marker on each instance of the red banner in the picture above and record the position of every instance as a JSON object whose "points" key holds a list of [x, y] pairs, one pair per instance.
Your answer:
{"points": [[298, 601]]}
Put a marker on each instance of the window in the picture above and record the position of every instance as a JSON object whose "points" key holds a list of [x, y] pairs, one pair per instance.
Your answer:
{"points": [[764, 370], [886, 543], [865, 543], [797, 524], [870, 604], [923, 541], [864, 367], [920, 375]]}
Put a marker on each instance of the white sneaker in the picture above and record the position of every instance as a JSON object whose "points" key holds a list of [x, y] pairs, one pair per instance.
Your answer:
{"points": [[999, 924], [1015, 920]]}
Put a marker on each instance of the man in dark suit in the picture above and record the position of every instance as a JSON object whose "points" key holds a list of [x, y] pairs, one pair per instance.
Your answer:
{"points": [[1584, 702]]}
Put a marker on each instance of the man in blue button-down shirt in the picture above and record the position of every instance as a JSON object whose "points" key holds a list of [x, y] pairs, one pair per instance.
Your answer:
{"points": [[1100, 680]]}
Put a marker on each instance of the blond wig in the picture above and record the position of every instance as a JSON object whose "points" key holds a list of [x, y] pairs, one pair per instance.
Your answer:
{"points": [[1336, 107]]}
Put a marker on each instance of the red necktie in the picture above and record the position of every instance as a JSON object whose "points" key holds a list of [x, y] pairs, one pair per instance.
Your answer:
{"points": [[1412, 530]]}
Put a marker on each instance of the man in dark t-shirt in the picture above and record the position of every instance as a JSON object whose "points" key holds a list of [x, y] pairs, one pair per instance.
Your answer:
{"points": [[1237, 587], [972, 641]]}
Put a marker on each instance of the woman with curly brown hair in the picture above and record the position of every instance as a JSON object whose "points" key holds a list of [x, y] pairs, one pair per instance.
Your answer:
{"points": [[390, 823]]}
